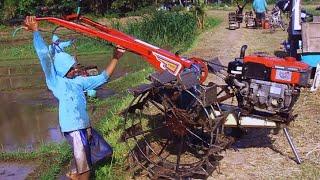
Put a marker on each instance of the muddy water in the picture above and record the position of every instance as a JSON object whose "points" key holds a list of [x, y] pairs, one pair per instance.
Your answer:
{"points": [[23, 123], [9, 171], [26, 120]]}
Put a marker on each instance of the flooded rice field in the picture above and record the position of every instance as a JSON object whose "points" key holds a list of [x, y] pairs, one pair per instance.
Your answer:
{"points": [[27, 114], [14, 170], [24, 123]]}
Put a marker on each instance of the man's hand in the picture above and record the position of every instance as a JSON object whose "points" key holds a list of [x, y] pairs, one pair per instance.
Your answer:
{"points": [[30, 23], [118, 52]]}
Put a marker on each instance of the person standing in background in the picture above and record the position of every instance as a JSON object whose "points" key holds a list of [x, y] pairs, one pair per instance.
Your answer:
{"points": [[260, 8]]}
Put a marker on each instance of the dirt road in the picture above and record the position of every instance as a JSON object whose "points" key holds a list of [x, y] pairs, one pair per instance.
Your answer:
{"points": [[225, 44], [260, 154]]}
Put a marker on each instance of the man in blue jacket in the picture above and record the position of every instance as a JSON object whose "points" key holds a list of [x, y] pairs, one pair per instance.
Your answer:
{"points": [[66, 83], [260, 8]]}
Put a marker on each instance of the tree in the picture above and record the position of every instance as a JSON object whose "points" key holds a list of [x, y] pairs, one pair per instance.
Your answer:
{"points": [[1, 4]]}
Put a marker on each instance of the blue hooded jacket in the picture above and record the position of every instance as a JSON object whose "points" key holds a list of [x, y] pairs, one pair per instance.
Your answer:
{"points": [[72, 101], [57, 45]]}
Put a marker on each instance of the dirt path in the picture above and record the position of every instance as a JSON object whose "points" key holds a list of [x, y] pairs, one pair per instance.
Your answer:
{"points": [[260, 154], [225, 44]]}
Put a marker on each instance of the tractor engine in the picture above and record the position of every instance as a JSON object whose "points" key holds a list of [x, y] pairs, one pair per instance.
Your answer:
{"points": [[267, 96], [267, 84]]}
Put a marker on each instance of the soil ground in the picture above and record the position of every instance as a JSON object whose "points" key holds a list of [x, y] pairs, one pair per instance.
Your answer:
{"points": [[259, 153]]}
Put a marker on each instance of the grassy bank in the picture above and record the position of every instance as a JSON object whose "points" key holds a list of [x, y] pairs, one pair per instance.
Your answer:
{"points": [[50, 159], [175, 30], [312, 9]]}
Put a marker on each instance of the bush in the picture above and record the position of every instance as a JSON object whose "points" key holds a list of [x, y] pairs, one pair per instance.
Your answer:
{"points": [[142, 11], [174, 29], [21, 8], [9, 10]]}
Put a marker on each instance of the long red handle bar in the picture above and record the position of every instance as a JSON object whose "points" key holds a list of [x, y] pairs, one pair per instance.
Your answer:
{"points": [[159, 58]]}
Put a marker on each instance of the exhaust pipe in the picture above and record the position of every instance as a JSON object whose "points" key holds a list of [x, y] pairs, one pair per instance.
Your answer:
{"points": [[243, 51]]}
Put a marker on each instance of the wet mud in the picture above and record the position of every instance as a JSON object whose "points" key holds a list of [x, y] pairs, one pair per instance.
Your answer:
{"points": [[14, 170]]}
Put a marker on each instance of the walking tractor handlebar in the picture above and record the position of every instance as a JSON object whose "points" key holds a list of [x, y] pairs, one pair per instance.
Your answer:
{"points": [[160, 59]]}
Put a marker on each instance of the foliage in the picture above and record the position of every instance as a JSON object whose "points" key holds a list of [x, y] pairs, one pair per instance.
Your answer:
{"points": [[312, 10], [173, 29], [142, 11], [20, 8], [10, 9]]}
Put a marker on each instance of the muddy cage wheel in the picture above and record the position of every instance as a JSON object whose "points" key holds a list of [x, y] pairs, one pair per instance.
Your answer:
{"points": [[171, 134]]}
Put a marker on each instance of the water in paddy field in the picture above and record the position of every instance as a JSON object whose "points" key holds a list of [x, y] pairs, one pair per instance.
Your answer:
{"points": [[23, 123], [27, 115], [16, 170]]}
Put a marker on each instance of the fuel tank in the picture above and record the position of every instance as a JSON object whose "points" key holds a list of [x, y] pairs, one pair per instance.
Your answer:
{"points": [[282, 70]]}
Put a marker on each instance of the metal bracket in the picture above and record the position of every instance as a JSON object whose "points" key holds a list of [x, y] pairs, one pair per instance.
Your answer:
{"points": [[209, 94], [188, 79], [142, 88], [162, 77]]}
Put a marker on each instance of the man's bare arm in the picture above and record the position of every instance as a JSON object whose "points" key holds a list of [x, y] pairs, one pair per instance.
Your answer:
{"points": [[117, 54]]}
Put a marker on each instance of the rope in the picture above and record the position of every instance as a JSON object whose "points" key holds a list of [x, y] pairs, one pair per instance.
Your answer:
{"points": [[16, 30]]}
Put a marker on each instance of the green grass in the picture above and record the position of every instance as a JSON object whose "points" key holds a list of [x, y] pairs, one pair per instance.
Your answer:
{"points": [[176, 30], [142, 11], [221, 6], [2, 27], [18, 155], [50, 159], [54, 161], [311, 2], [211, 23], [312, 9], [309, 171]]}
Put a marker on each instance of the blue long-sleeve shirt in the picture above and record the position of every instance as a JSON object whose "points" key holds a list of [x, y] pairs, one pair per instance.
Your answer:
{"points": [[259, 6], [69, 92]]}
